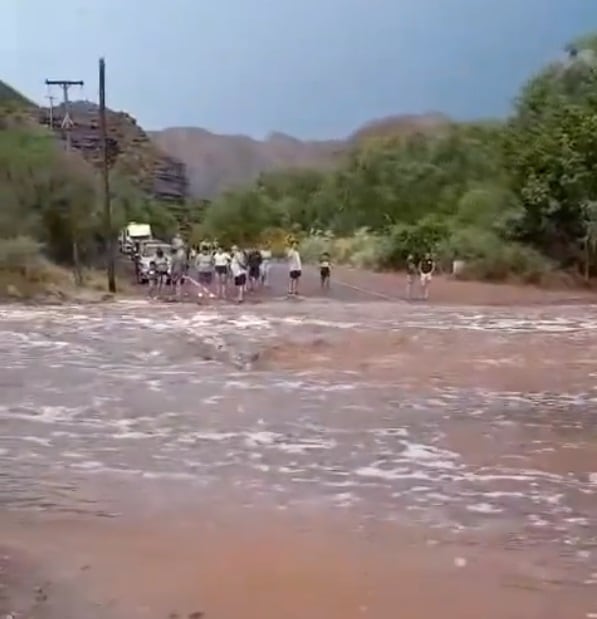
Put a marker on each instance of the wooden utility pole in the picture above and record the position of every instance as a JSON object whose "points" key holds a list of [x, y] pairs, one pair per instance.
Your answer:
{"points": [[51, 99], [106, 177], [67, 125]]}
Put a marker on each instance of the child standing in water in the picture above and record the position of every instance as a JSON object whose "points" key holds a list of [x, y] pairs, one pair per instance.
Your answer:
{"points": [[159, 272], [325, 266]]}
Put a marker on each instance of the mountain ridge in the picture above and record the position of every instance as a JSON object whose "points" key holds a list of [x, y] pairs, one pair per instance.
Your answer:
{"points": [[182, 161], [216, 162]]}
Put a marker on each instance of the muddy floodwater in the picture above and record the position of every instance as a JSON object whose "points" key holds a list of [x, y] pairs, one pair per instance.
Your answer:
{"points": [[298, 459]]}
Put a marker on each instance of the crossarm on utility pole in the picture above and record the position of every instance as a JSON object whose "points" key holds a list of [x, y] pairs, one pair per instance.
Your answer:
{"points": [[65, 83]]}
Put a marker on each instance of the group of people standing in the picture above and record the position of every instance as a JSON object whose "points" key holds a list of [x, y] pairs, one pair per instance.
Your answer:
{"points": [[423, 270], [212, 269], [247, 269]]}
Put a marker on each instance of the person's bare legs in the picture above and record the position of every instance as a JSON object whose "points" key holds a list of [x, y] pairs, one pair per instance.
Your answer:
{"points": [[409, 287], [425, 288]]}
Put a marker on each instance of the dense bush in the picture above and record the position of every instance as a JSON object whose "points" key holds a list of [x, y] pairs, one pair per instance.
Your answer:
{"points": [[53, 198], [511, 198]]}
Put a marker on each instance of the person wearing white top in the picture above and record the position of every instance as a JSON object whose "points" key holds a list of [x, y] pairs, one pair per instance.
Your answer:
{"points": [[177, 242], [204, 267], [221, 264], [266, 261], [238, 268], [295, 269]]}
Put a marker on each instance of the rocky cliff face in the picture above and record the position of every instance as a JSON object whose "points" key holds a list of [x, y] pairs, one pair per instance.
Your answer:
{"points": [[130, 149]]}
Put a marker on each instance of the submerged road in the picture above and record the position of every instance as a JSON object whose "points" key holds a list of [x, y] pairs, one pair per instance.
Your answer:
{"points": [[339, 290], [115, 413]]}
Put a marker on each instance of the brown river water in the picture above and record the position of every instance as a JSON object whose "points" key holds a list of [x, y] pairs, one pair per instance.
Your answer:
{"points": [[303, 460]]}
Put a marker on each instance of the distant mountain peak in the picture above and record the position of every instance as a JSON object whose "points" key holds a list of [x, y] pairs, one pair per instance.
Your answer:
{"points": [[216, 162]]}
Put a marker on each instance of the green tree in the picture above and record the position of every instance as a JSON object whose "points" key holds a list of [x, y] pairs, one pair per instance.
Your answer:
{"points": [[551, 153]]}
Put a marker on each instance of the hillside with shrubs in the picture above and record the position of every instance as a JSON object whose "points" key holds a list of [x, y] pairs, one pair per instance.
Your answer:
{"points": [[513, 199], [51, 202]]}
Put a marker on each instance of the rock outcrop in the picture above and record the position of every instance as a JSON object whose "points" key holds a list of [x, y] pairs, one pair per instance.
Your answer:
{"points": [[130, 149]]}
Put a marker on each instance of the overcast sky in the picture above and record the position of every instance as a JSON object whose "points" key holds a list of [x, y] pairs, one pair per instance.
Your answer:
{"points": [[312, 68]]}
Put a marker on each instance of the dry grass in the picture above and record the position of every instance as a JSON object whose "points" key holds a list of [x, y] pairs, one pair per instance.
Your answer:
{"points": [[46, 281]]}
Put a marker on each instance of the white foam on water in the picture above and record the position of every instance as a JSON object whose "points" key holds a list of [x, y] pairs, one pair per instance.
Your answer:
{"points": [[241, 384], [250, 322], [131, 435], [537, 521], [504, 495], [391, 474], [44, 442], [44, 414], [257, 439], [88, 465], [305, 446], [300, 320], [384, 432], [484, 508], [169, 475], [208, 436], [426, 455], [63, 434], [345, 499]]}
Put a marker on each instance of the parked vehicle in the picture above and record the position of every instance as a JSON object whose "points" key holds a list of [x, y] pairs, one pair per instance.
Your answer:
{"points": [[132, 234], [147, 253]]}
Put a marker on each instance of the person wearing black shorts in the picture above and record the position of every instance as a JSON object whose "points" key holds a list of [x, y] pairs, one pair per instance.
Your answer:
{"points": [[204, 264], [294, 269], [221, 265], [325, 269], [238, 268], [254, 260]]}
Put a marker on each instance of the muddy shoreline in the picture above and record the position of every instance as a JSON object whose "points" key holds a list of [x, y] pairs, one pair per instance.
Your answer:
{"points": [[311, 565]]}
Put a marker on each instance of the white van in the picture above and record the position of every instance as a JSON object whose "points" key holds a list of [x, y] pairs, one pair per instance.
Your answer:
{"points": [[134, 233]]}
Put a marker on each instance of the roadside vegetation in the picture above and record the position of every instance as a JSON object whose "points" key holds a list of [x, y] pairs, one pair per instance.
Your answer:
{"points": [[51, 210], [513, 199]]}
